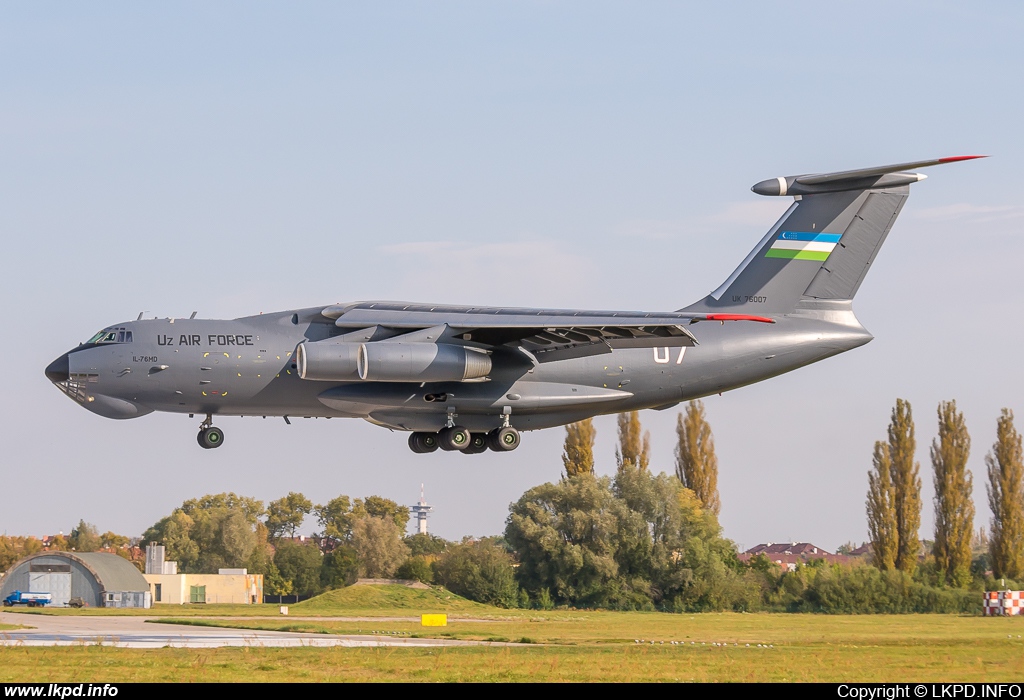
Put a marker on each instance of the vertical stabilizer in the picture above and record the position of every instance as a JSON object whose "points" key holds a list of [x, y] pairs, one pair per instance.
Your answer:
{"points": [[823, 245]]}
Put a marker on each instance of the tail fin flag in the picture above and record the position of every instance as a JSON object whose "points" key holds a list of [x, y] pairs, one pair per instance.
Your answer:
{"points": [[823, 245]]}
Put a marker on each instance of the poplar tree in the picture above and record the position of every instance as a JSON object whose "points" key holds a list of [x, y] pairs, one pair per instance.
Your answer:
{"points": [[1006, 499], [894, 495], [696, 463], [906, 486], [954, 507], [634, 443], [881, 510], [578, 453]]}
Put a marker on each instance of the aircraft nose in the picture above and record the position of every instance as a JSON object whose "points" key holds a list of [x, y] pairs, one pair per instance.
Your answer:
{"points": [[58, 370]]}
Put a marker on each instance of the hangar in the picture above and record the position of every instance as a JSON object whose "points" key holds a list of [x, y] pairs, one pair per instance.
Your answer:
{"points": [[101, 580]]}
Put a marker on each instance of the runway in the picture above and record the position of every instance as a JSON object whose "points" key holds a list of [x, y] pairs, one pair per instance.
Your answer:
{"points": [[138, 633]]}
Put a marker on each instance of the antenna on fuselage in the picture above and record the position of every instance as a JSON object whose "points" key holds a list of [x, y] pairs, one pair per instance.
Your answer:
{"points": [[140, 316], [193, 315]]}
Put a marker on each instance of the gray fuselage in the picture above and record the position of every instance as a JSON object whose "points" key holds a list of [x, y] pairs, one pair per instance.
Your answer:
{"points": [[246, 367]]}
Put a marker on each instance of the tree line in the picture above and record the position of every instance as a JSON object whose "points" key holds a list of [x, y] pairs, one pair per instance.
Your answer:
{"points": [[636, 540], [894, 502], [759, 584], [85, 537]]}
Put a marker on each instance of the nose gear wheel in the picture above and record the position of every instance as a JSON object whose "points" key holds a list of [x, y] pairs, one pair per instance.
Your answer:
{"points": [[210, 437]]}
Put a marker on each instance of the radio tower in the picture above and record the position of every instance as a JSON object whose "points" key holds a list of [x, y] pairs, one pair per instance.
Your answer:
{"points": [[421, 510]]}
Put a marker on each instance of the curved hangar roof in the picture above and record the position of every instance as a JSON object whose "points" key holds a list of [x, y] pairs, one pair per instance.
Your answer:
{"points": [[116, 573], [90, 576]]}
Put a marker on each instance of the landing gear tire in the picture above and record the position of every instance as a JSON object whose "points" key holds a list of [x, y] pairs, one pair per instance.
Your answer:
{"points": [[210, 438], [503, 439], [422, 443], [454, 438], [477, 444]]}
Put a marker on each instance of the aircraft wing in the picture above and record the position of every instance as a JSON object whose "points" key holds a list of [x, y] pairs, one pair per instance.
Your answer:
{"points": [[548, 334]]}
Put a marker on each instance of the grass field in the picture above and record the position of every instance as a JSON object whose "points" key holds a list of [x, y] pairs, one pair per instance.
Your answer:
{"points": [[963, 658], [561, 645], [588, 628]]}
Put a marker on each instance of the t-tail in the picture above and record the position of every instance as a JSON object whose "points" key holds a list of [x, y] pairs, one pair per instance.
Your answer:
{"points": [[822, 247]]}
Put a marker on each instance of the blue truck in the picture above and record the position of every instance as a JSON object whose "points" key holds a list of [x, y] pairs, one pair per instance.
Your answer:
{"points": [[32, 600]]}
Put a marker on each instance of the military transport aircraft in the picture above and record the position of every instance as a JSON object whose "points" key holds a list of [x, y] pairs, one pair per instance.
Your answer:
{"points": [[469, 378]]}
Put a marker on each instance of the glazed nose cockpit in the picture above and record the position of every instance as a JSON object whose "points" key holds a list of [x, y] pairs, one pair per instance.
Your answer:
{"points": [[59, 371], [88, 375]]}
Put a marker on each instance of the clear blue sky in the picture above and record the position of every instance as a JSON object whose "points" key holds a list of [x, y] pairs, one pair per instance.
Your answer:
{"points": [[241, 157]]}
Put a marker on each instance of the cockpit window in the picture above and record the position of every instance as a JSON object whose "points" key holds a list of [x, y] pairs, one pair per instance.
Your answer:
{"points": [[115, 335]]}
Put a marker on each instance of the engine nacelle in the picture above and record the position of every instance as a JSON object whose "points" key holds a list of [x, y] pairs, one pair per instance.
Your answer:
{"points": [[328, 362], [421, 362]]}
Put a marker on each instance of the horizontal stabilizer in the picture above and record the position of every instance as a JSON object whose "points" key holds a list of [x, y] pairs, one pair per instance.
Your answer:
{"points": [[866, 178]]}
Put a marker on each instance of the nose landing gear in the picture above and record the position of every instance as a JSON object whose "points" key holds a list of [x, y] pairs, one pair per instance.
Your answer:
{"points": [[209, 437]]}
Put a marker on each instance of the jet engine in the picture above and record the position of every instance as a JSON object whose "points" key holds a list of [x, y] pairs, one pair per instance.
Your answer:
{"points": [[421, 362], [328, 362]]}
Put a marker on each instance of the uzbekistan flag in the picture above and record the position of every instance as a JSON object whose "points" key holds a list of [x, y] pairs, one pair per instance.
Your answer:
{"points": [[798, 245]]}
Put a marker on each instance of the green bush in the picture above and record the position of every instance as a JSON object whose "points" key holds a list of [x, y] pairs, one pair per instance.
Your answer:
{"points": [[823, 588], [299, 564], [640, 542], [423, 543], [340, 567], [416, 568], [481, 571]]}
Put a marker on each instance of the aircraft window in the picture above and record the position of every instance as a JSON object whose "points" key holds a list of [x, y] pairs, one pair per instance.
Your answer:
{"points": [[116, 336]]}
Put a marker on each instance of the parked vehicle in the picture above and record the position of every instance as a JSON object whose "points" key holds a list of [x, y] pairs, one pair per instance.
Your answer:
{"points": [[32, 600]]}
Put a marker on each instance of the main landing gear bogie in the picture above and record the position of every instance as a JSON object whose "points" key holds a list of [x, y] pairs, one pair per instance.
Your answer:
{"points": [[503, 439], [454, 438], [422, 443], [459, 439]]}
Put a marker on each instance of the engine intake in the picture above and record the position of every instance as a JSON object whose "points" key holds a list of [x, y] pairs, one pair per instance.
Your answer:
{"points": [[421, 362], [328, 362]]}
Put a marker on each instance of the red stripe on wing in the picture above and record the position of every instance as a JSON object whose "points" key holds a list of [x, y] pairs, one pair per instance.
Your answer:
{"points": [[738, 317]]}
